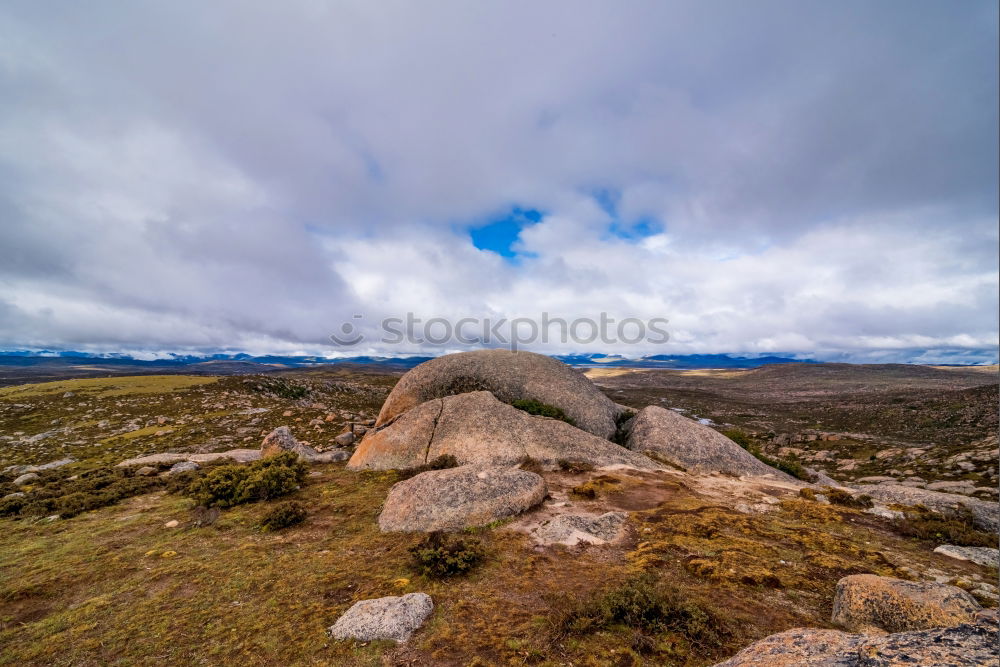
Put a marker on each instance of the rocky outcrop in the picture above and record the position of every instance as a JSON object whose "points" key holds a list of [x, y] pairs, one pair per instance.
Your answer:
{"points": [[458, 498], [979, 555], [509, 376], [572, 529], [968, 644], [476, 428], [281, 440], [692, 446], [393, 618], [866, 602], [169, 458], [985, 514]]}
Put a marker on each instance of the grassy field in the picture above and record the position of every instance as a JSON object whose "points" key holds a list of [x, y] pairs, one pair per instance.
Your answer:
{"points": [[115, 586]]}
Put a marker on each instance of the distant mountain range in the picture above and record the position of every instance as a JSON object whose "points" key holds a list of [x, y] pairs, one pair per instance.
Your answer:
{"points": [[681, 361]]}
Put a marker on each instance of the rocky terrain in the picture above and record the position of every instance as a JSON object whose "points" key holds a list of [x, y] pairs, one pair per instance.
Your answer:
{"points": [[499, 509]]}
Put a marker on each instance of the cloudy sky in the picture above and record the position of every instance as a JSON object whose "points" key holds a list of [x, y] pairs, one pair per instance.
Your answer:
{"points": [[805, 177]]}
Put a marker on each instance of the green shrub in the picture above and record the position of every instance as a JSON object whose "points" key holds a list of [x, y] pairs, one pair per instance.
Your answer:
{"points": [[845, 498], [958, 529], [533, 407], [278, 387], [68, 495], [644, 603], [790, 466], [284, 515], [439, 555], [228, 485]]}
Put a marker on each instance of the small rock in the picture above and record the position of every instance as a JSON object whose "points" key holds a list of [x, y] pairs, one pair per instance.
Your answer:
{"points": [[345, 439], [332, 456], [281, 440], [16, 494], [146, 471], [183, 466], [571, 529], [394, 618], [173, 523], [25, 478]]}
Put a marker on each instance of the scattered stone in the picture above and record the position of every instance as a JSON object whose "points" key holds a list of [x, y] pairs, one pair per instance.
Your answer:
{"points": [[391, 617], [970, 644], [281, 440], [884, 512], [183, 466], [237, 456], [571, 529], [458, 498], [173, 523], [985, 514], [16, 494], [692, 446], [510, 376], [25, 478], [979, 555], [332, 456], [345, 439], [146, 471], [864, 602], [20, 470], [476, 428]]}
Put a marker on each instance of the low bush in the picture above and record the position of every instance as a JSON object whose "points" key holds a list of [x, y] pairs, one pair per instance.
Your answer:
{"points": [[790, 466], [595, 487], [440, 556], [279, 387], [228, 485], [70, 495], [958, 529], [284, 515], [847, 499], [643, 603], [533, 407]]}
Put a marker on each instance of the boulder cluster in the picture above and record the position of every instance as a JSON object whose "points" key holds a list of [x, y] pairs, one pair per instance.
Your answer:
{"points": [[475, 411]]}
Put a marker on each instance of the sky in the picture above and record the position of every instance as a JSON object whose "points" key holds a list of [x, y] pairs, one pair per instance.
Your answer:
{"points": [[806, 177]]}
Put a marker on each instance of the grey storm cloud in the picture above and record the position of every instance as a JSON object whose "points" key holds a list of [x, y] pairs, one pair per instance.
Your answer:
{"points": [[246, 175]]}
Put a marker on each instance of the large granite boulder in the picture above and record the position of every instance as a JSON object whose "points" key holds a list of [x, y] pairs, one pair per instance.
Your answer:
{"points": [[985, 513], [477, 428], [968, 644], [692, 446], [867, 602], [458, 498], [509, 376], [394, 618]]}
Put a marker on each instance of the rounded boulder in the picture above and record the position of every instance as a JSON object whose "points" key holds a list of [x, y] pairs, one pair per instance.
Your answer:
{"points": [[458, 498], [510, 376]]}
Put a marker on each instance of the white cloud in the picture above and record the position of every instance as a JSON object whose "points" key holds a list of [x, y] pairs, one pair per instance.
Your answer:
{"points": [[249, 175]]}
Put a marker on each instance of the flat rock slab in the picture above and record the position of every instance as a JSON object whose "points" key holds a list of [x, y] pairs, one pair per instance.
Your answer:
{"points": [[572, 529], [510, 376], [458, 498], [693, 446], [392, 617], [979, 555], [867, 602], [237, 455], [476, 428], [969, 644], [20, 470], [985, 514]]}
